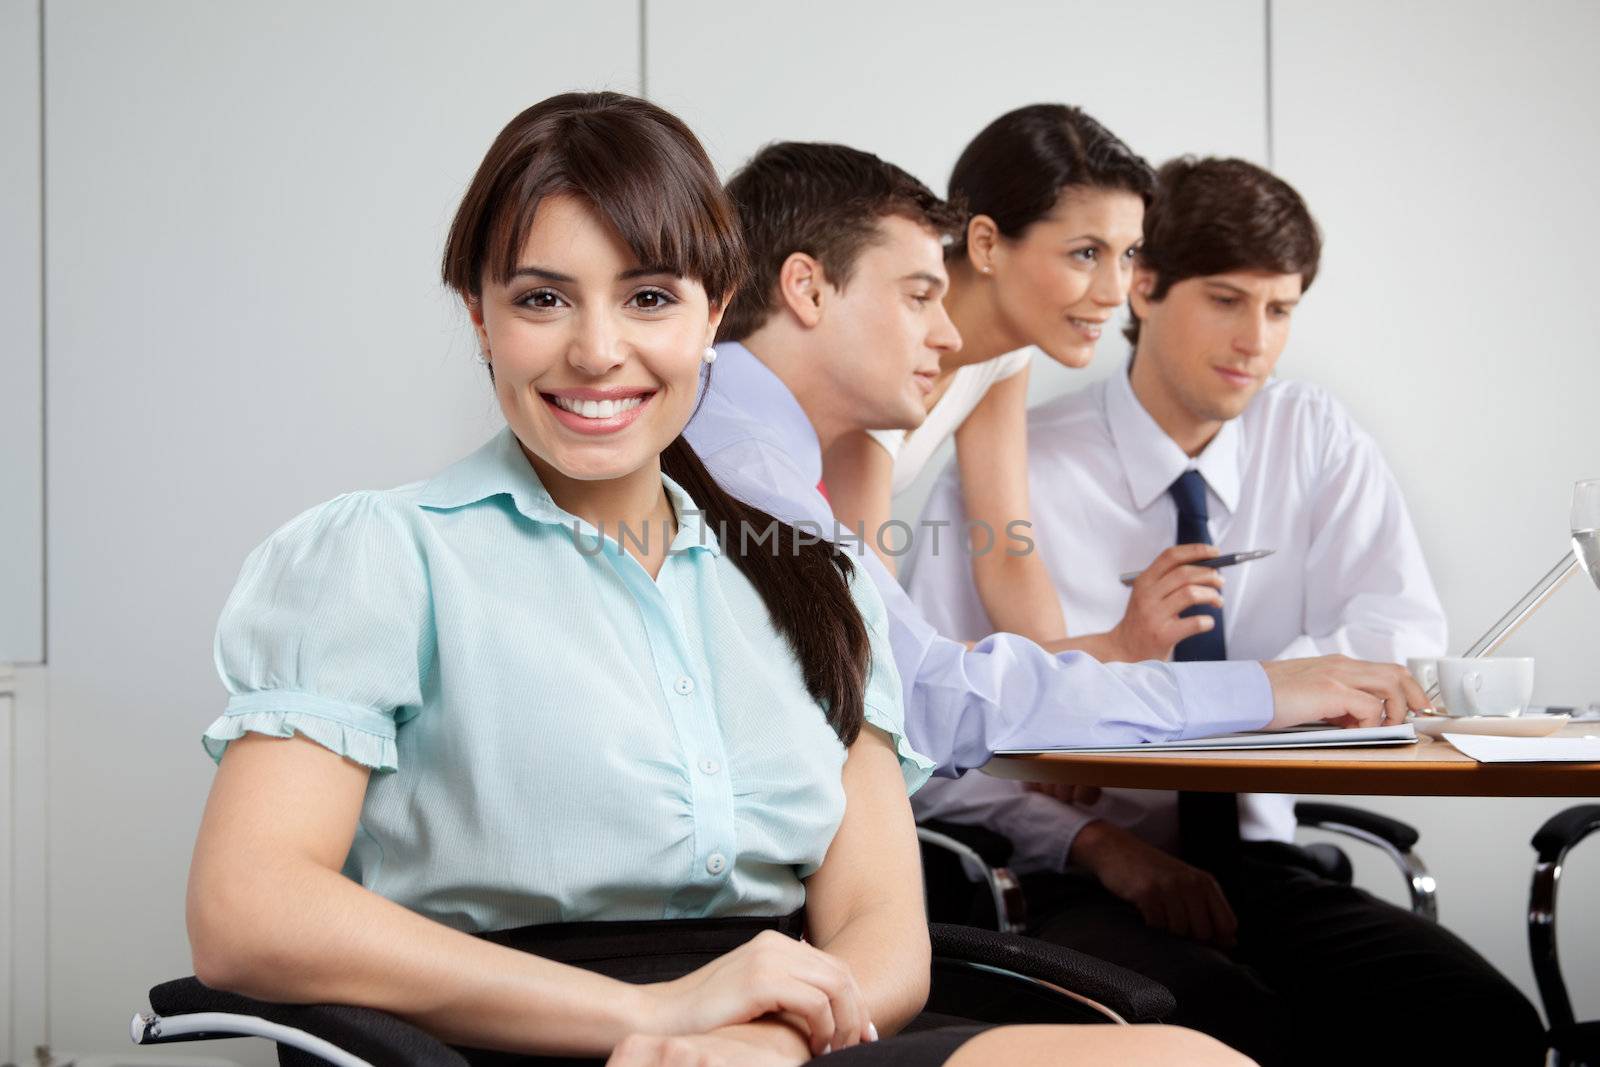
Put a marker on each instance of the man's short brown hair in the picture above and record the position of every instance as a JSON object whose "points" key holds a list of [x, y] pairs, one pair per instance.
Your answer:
{"points": [[825, 200], [1213, 216]]}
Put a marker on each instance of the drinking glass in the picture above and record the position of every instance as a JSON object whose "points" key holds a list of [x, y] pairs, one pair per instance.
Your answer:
{"points": [[1586, 526]]}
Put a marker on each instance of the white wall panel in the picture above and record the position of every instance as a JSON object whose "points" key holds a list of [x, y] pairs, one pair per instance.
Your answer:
{"points": [[914, 82], [10, 1047], [21, 366], [245, 209], [24, 953], [247, 204], [1448, 150]]}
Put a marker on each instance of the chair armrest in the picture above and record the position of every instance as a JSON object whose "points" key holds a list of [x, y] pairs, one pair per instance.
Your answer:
{"points": [[1130, 995], [994, 847], [365, 1034], [1402, 836], [1004, 891], [1564, 829], [1558, 834]]}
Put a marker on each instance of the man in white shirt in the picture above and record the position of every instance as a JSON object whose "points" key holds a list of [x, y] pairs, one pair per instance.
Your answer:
{"points": [[1196, 442]]}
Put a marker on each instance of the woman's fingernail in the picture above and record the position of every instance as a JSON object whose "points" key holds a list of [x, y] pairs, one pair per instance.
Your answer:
{"points": [[872, 1032]]}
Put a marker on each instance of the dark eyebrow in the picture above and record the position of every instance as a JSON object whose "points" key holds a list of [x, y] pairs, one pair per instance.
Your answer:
{"points": [[546, 273], [1236, 291], [542, 272], [645, 272]]}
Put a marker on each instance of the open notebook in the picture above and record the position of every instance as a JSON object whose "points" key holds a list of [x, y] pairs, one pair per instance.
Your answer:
{"points": [[1294, 737]]}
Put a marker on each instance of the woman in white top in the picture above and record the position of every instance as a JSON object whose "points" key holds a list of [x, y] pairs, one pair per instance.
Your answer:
{"points": [[1057, 206]]}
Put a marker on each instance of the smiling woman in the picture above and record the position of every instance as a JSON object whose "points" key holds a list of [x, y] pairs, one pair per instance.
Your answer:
{"points": [[460, 708], [1057, 207]]}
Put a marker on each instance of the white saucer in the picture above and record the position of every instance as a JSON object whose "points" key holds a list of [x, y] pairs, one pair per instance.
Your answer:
{"points": [[1502, 725]]}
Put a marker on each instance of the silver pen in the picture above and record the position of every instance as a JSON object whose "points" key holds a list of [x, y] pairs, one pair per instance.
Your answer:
{"points": [[1217, 561]]}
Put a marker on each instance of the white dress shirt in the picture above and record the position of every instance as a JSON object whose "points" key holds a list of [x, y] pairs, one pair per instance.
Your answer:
{"points": [[1293, 473]]}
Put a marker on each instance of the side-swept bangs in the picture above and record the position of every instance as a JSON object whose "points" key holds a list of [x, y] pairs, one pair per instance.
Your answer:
{"points": [[638, 165]]}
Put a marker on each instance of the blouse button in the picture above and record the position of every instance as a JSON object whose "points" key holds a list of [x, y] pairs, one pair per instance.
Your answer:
{"points": [[710, 766], [684, 685], [716, 862]]}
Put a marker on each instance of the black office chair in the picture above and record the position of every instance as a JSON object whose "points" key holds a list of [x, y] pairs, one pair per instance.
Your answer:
{"points": [[1573, 1044], [967, 881], [977, 975]]}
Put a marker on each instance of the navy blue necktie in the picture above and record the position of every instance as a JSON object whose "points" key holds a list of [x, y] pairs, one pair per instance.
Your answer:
{"points": [[1208, 823], [1189, 493]]}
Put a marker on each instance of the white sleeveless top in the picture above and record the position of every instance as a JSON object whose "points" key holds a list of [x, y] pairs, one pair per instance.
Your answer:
{"points": [[912, 449]]}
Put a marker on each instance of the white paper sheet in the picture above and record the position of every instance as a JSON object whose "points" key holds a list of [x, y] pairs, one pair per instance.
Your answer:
{"points": [[1486, 748]]}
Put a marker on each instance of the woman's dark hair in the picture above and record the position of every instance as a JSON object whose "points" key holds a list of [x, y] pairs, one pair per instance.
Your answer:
{"points": [[1018, 167], [643, 172], [826, 200], [1212, 216]]}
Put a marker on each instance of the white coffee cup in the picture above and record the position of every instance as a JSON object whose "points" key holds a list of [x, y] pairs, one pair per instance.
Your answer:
{"points": [[1488, 686], [1425, 669]]}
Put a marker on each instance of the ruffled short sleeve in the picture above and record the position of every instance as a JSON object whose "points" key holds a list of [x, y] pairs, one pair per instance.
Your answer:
{"points": [[328, 633], [885, 702]]}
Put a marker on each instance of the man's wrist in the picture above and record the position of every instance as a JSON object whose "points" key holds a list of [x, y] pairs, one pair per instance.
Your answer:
{"points": [[1109, 647], [1085, 842]]}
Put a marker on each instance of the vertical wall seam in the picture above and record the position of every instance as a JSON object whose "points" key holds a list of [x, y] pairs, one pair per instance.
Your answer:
{"points": [[644, 49], [1267, 6], [8, 866], [44, 380], [41, 687]]}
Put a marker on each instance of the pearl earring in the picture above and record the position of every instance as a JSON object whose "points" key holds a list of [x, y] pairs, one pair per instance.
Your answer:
{"points": [[483, 357], [710, 355]]}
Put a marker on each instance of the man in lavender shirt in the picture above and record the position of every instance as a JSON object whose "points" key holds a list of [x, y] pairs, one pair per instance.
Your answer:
{"points": [[840, 330]]}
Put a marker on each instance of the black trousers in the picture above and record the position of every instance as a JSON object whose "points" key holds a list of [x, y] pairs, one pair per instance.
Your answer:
{"points": [[1323, 973], [661, 951]]}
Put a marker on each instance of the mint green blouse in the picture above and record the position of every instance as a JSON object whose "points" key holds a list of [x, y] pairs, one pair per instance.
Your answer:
{"points": [[555, 735]]}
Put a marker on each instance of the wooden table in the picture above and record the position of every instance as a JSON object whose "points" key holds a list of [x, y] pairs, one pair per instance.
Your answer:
{"points": [[1428, 768]]}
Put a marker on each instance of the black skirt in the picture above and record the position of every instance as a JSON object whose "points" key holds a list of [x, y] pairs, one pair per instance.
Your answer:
{"points": [[659, 951]]}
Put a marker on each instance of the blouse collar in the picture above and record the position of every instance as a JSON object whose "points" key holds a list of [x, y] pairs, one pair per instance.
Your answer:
{"points": [[499, 468]]}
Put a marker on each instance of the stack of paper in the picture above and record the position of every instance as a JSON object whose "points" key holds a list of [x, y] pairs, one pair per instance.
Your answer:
{"points": [[1296, 737], [1486, 748]]}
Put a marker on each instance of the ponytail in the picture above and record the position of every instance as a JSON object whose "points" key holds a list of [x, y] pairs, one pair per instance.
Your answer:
{"points": [[804, 584]]}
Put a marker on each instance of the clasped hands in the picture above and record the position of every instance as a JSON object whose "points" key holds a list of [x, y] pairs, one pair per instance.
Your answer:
{"points": [[772, 1002]]}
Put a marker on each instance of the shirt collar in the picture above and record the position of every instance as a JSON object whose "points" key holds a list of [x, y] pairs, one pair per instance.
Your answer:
{"points": [[761, 395], [1152, 461], [500, 468]]}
